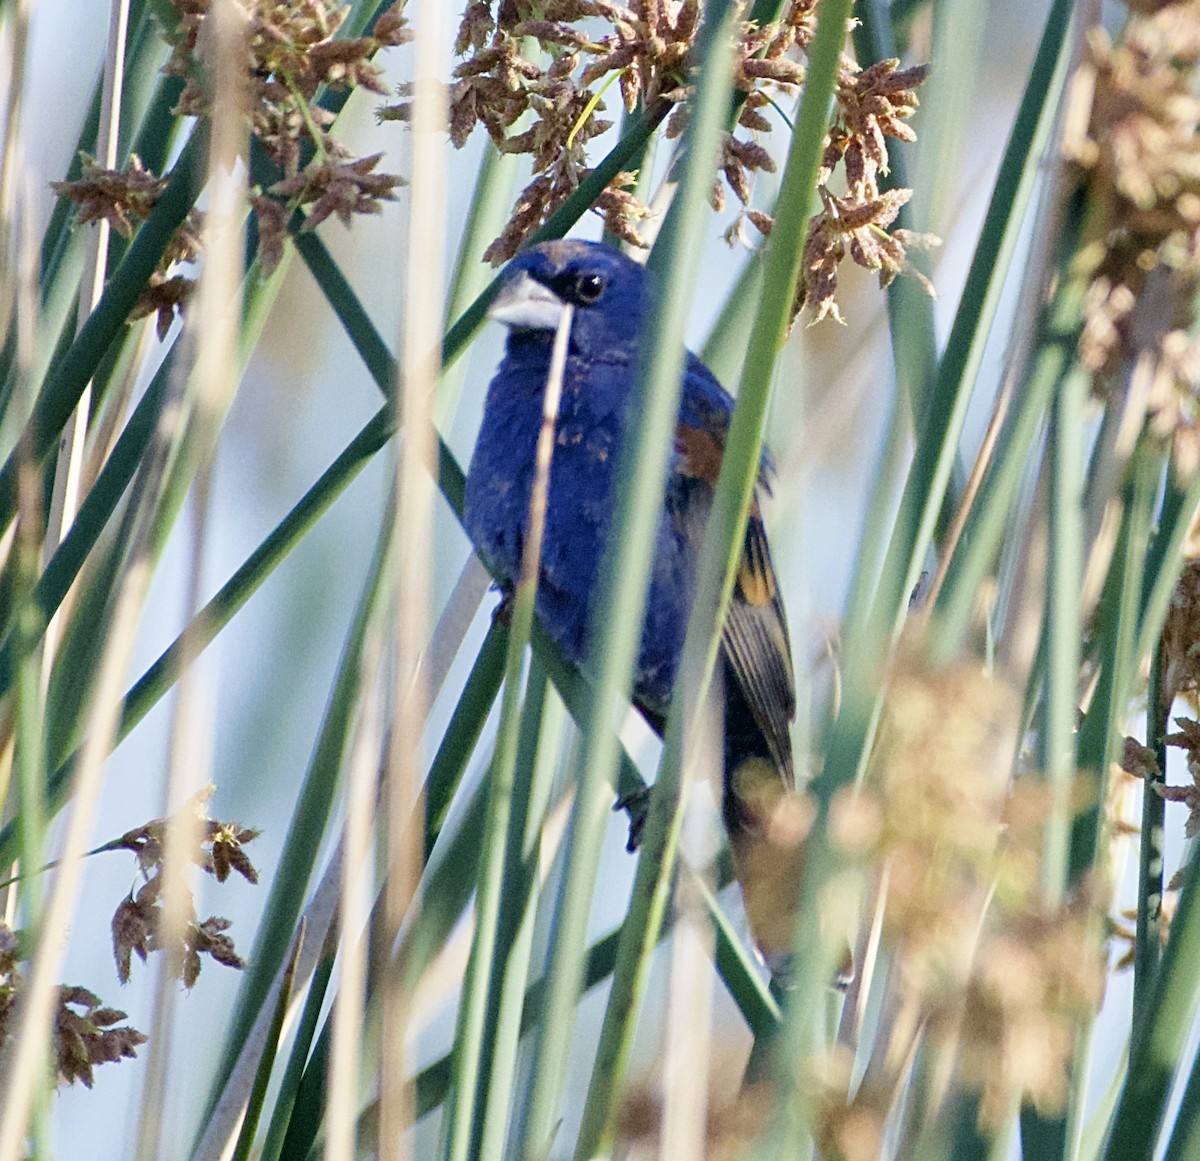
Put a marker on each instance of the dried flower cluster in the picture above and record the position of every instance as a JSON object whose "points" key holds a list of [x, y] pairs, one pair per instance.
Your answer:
{"points": [[1131, 133], [293, 52], [497, 85], [735, 1117], [872, 105], [1181, 680], [649, 53], [761, 63], [138, 922], [846, 1128], [992, 979], [1181, 640], [942, 773], [1037, 979], [125, 198], [1180, 658], [119, 197], [86, 1033], [1187, 738], [1140, 761]]}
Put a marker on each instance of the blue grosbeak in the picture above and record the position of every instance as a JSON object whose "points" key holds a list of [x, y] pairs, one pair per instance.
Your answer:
{"points": [[611, 296]]}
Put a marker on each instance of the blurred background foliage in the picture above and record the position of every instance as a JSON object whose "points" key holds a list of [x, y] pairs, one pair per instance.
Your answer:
{"points": [[227, 222]]}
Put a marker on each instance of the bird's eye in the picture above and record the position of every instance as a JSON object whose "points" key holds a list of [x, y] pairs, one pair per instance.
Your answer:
{"points": [[588, 288]]}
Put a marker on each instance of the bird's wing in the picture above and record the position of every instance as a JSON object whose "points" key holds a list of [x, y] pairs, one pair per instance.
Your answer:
{"points": [[757, 647], [755, 635]]}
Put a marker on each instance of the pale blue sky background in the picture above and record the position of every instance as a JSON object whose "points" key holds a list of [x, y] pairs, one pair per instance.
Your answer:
{"points": [[304, 396]]}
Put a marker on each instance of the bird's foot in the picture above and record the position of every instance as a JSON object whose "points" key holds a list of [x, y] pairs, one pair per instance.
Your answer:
{"points": [[636, 803], [502, 613]]}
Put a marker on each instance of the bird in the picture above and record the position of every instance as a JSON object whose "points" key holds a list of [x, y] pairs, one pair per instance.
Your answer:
{"points": [[612, 296]]}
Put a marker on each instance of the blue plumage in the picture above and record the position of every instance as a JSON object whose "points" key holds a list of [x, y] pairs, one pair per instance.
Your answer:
{"points": [[610, 294]]}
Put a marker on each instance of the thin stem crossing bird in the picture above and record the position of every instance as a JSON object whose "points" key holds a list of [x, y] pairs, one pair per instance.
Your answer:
{"points": [[611, 296]]}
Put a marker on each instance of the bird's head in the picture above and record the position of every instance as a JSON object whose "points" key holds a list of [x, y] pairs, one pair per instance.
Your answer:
{"points": [[607, 290]]}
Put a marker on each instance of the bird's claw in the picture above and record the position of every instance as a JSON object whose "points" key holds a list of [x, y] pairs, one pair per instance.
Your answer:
{"points": [[502, 613], [636, 803]]}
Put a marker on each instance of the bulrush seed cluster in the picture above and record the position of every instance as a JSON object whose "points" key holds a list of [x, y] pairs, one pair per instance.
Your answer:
{"points": [[1131, 132], [1180, 681], [534, 77], [872, 105], [87, 1032], [293, 53], [138, 922], [994, 981], [645, 51], [1036, 981], [125, 198], [548, 70]]}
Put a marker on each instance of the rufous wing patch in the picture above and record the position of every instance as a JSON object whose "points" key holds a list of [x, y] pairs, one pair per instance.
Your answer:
{"points": [[699, 453]]}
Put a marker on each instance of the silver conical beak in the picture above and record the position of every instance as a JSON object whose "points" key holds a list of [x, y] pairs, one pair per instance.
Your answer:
{"points": [[525, 304]]}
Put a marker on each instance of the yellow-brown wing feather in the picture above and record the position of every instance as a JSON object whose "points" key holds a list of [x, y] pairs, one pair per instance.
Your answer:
{"points": [[755, 635]]}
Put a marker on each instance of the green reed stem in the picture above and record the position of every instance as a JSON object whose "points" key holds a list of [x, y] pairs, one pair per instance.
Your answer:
{"points": [[1160, 1036], [1151, 852], [623, 583], [722, 549], [1063, 628]]}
